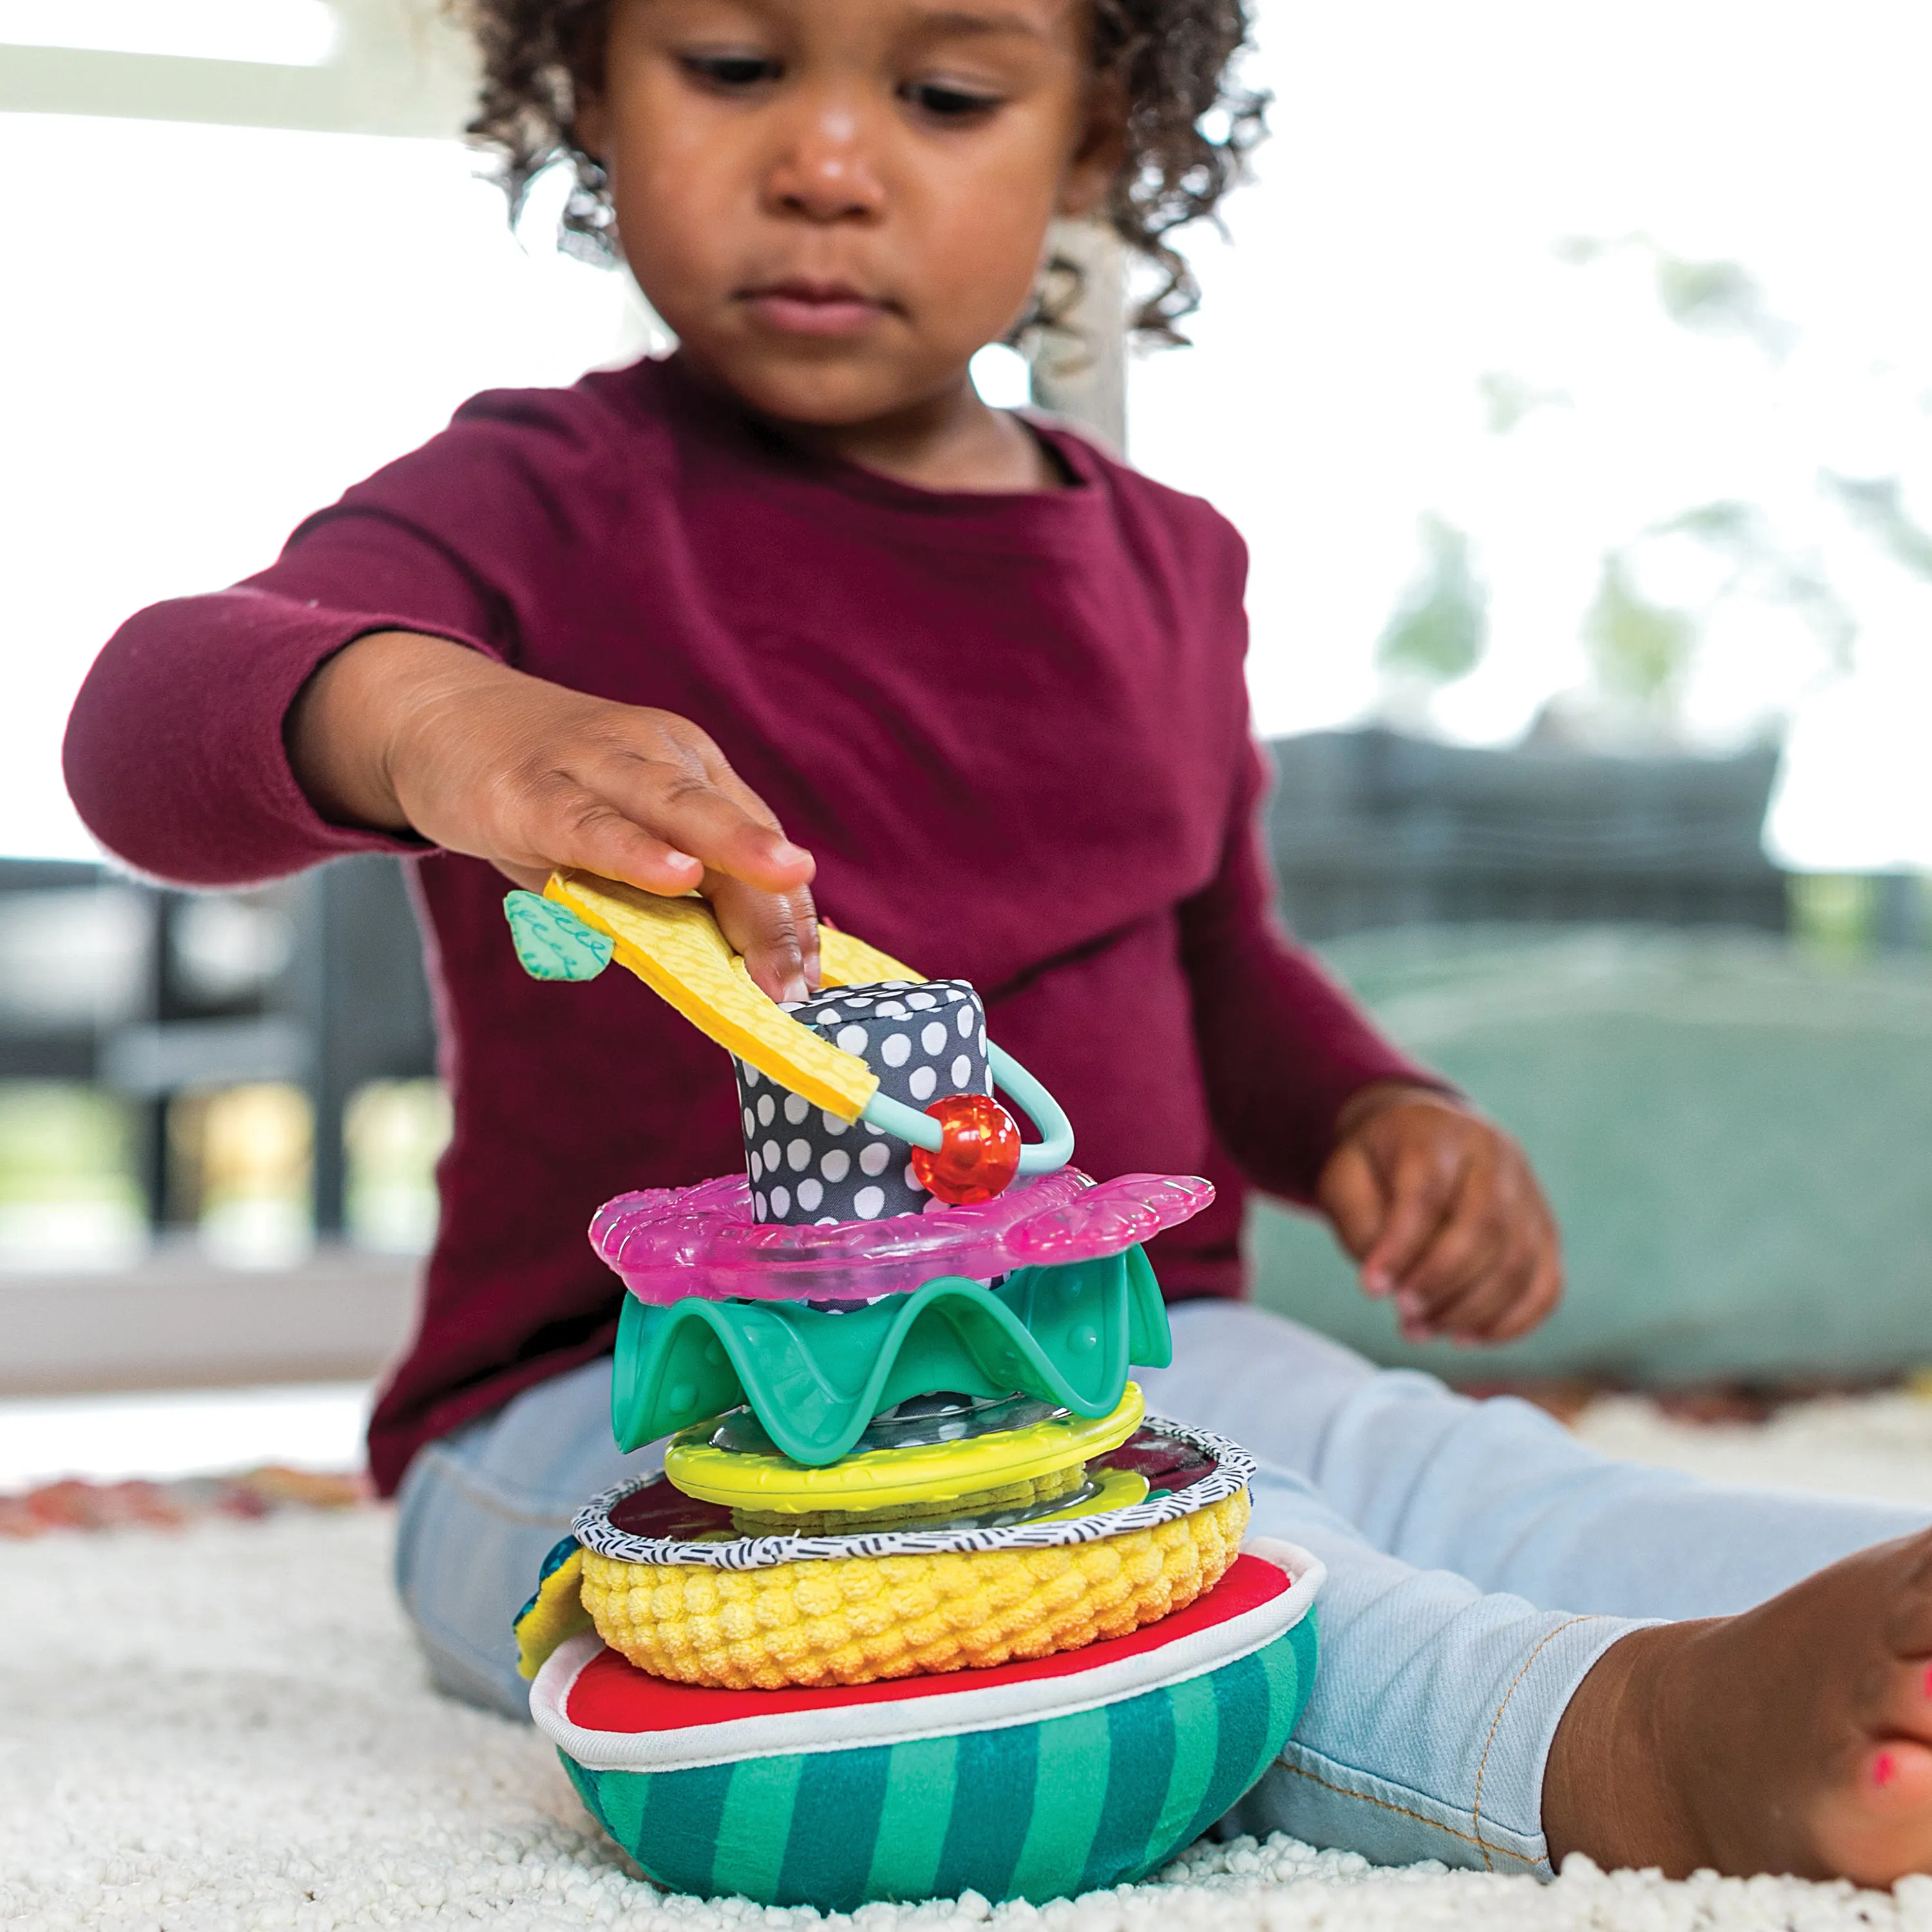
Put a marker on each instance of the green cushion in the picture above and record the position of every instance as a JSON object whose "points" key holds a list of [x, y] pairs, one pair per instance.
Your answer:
{"points": [[1737, 1136]]}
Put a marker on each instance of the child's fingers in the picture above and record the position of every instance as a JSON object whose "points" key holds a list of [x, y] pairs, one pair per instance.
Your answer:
{"points": [[1467, 1246], [1421, 1183], [582, 832], [1471, 1313], [1522, 1281], [1449, 1308], [776, 929], [776, 932], [1351, 1195], [1471, 1241], [757, 881], [721, 824], [668, 777], [1535, 1304], [663, 809]]}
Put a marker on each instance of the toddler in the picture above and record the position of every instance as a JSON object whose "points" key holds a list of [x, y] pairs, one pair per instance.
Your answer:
{"points": [[793, 618]]}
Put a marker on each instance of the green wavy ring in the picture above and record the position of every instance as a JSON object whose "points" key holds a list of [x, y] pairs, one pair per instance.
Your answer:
{"points": [[814, 1379]]}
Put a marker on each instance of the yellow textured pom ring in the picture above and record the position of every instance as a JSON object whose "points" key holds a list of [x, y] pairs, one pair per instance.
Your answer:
{"points": [[670, 1585], [862, 1618]]}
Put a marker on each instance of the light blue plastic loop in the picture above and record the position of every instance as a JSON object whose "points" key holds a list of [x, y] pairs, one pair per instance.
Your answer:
{"points": [[1054, 1147], [1048, 1155], [904, 1123]]}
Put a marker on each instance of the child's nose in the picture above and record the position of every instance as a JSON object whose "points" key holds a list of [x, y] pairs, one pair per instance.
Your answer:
{"points": [[826, 171]]}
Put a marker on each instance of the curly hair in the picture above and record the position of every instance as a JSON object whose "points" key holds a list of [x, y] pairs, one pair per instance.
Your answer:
{"points": [[1188, 127]]}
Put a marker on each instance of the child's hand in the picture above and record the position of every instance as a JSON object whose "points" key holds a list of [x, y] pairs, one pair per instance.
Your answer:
{"points": [[1442, 1211], [403, 732]]}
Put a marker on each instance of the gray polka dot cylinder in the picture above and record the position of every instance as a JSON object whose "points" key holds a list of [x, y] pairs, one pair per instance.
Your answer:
{"points": [[804, 1165]]}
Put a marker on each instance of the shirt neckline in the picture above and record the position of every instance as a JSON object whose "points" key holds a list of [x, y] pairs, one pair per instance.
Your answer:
{"points": [[1015, 514]]}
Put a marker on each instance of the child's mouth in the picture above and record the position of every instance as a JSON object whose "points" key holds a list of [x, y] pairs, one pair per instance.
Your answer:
{"points": [[800, 307]]}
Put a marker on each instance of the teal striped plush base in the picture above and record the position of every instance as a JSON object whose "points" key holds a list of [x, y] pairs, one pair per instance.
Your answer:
{"points": [[1040, 1811]]}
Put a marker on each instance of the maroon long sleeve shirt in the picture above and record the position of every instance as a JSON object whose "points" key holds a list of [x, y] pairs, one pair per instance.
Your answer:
{"points": [[1011, 728]]}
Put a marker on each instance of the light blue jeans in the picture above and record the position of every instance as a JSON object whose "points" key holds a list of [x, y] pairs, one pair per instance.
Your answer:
{"points": [[1480, 1560]]}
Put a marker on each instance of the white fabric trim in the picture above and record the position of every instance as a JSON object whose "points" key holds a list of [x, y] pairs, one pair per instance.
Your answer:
{"points": [[990, 1708]]}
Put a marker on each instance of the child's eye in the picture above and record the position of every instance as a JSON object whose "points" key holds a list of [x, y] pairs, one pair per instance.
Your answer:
{"points": [[945, 102], [734, 72]]}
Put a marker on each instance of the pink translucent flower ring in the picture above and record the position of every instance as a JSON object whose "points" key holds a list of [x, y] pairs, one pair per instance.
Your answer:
{"points": [[669, 1243]]}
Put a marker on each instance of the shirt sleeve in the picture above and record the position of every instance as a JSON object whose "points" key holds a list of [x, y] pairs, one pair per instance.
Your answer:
{"points": [[174, 753], [1282, 1045]]}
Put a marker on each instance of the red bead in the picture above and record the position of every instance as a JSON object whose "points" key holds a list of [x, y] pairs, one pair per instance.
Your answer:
{"points": [[980, 1154]]}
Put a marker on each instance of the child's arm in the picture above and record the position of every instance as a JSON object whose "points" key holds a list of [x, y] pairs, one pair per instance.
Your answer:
{"points": [[356, 697], [1438, 1205], [400, 731]]}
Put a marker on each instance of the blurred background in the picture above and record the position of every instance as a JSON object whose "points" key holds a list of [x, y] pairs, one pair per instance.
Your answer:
{"points": [[1569, 373]]}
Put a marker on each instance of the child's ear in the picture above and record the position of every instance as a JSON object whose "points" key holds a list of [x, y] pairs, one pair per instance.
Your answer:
{"points": [[1097, 161]]}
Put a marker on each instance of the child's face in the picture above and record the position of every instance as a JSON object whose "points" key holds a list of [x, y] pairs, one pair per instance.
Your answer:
{"points": [[835, 203]]}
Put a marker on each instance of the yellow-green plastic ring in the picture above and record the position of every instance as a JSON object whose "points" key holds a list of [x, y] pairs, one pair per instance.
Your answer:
{"points": [[1113, 1489], [878, 1478]]}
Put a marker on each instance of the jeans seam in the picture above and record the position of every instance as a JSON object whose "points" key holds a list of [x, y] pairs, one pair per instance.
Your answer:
{"points": [[1483, 1763], [1403, 1811], [527, 1513]]}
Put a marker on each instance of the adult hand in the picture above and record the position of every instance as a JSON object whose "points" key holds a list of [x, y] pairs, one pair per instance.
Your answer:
{"points": [[400, 731], [1443, 1212]]}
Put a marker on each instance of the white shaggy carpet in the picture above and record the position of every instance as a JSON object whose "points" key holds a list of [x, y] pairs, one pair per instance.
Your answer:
{"points": [[227, 1728]]}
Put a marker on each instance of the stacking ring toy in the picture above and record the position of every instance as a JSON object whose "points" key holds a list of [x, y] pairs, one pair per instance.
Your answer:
{"points": [[922, 1601]]}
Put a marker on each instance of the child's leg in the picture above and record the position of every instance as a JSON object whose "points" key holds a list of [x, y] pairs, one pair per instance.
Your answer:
{"points": [[1480, 1561], [479, 1510], [1496, 1491], [1439, 1697]]}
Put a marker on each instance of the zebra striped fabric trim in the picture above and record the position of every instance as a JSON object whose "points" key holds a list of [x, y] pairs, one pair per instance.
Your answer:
{"points": [[1234, 1469]]}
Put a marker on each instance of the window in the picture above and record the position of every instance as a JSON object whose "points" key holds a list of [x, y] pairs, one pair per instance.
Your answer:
{"points": [[1574, 365], [291, 33], [253, 319]]}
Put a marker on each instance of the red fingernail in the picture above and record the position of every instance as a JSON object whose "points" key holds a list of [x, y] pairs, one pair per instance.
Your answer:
{"points": [[1928, 1680], [1885, 1769]]}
